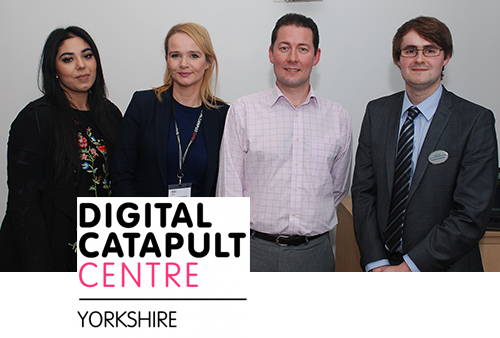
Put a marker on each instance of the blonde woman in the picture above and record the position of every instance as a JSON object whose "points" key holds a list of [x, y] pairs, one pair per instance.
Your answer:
{"points": [[169, 140]]}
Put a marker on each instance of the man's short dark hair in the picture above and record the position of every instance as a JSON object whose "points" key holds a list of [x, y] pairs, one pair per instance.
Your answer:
{"points": [[429, 28], [299, 20]]}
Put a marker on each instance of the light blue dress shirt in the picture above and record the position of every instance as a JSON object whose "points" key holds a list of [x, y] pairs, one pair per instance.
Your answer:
{"points": [[421, 126]]}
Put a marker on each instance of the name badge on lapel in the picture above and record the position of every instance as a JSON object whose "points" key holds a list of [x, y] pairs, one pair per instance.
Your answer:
{"points": [[438, 157]]}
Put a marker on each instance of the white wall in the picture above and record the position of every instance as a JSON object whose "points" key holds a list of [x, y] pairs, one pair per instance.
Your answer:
{"points": [[355, 37]]}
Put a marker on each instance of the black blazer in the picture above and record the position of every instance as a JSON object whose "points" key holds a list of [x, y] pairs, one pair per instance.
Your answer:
{"points": [[449, 204], [40, 220], [140, 159]]}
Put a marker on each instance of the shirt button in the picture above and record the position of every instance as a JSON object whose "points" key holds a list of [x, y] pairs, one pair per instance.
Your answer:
{"points": [[293, 215]]}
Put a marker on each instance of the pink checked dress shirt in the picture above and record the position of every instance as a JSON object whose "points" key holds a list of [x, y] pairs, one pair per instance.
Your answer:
{"points": [[293, 163]]}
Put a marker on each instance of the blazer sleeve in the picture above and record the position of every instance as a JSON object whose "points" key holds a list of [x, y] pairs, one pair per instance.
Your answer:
{"points": [[213, 126], [126, 154], [472, 200], [115, 113], [24, 230], [364, 195]]}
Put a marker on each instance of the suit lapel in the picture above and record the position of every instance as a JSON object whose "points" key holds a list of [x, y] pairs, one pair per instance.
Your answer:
{"points": [[438, 125], [161, 133]]}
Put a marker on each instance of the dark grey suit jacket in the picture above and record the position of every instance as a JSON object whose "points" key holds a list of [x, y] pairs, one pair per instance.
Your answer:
{"points": [[449, 204]]}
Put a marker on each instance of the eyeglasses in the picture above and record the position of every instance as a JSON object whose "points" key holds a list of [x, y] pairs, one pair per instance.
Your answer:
{"points": [[412, 52]]}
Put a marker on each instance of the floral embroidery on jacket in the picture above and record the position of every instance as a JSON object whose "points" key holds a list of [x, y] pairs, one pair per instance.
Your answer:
{"points": [[90, 149]]}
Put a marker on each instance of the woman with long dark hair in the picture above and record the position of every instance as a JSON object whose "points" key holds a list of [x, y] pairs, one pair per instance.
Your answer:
{"points": [[169, 141], [60, 147]]}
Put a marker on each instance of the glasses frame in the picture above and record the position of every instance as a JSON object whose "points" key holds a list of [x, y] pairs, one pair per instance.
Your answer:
{"points": [[418, 50]]}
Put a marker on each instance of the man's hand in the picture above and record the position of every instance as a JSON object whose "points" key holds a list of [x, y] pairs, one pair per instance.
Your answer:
{"points": [[403, 267], [380, 268]]}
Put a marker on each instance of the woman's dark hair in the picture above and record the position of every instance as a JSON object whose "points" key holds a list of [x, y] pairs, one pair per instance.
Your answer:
{"points": [[65, 134]]}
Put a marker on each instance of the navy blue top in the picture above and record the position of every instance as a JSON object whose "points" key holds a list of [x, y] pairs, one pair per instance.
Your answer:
{"points": [[195, 166]]}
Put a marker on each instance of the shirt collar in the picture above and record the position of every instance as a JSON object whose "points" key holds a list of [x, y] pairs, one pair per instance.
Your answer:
{"points": [[277, 95], [427, 107]]}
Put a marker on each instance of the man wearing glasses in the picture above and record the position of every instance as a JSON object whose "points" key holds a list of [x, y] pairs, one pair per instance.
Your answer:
{"points": [[426, 165]]}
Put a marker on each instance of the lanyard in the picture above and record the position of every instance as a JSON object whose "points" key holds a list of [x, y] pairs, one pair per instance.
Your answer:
{"points": [[182, 156]]}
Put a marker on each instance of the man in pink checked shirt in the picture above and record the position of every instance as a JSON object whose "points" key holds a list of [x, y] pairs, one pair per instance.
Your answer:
{"points": [[290, 151]]}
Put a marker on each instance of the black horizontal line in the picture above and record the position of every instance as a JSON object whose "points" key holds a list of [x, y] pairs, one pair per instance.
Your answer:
{"points": [[162, 299]]}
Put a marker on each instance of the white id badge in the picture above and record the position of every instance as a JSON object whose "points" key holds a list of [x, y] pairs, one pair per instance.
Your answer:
{"points": [[179, 190]]}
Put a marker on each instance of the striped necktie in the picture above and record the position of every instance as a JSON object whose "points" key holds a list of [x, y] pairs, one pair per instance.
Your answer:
{"points": [[394, 232]]}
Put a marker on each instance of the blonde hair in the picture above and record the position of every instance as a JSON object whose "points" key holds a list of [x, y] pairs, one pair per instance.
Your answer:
{"points": [[202, 39]]}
